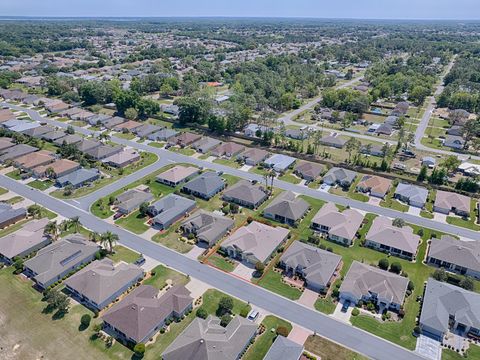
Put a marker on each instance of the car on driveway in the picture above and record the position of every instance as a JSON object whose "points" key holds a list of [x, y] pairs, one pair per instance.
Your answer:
{"points": [[345, 306], [253, 315]]}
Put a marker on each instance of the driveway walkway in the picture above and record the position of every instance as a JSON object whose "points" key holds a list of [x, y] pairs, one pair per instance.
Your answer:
{"points": [[342, 316], [308, 298], [429, 348], [412, 210], [243, 271], [195, 252], [299, 334]]}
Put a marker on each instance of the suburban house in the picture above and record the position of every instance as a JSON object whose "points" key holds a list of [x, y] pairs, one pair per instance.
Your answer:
{"points": [[146, 129], [16, 151], [184, 139], [333, 141], [9, 215], [367, 283], [21, 243], [340, 176], [308, 170], [205, 186], [411, 194], [78, 177], [101, 282], [162, 135], [128, 126], [284, 349], [87, 144], [227, 149], [205, 144], [246, 194], [297, 134], [341, 227], [398, 241], [429, 162], [207, 227], [280, 162], [103, 151], [58, 168], [30, 161], [177, 175], [169, 209], [122, 158], [38, 131], [254, 242], [144, 311], [54, 135], [454, 142], [286, 208], [375, 185], [448, 308], [68, 140], [252, 130], [111, 123], [469, 169], [6, 143], [131, 200], [253, 156], [446, 202], [57, 260], [384, 129], [318, 267], [454, 255], [206, 339]]}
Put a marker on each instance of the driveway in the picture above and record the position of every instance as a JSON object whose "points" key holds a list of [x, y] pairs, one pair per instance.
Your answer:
{"points": [[210, 158], [308, 298], [429, 348], [196, 287], [374, 201], [299, 334], [245, 167], [342, 316], [440, 217], [412, 210], [243, 271], [195, 252]]}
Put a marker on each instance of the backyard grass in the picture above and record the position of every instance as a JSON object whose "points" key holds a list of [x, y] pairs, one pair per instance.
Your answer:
{"points": [[222, 263], [325, 305], [121, 253], [263, 342], [41, 185], [162, 274], [134, 222], [329, 350]]}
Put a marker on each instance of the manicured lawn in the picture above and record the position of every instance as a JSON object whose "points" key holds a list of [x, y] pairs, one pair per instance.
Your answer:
{"points": [[134, 222], [228, 162], [183, 151], [473, 353], [258, 170], [289, 177], [358, 196], [263, 342], [14, 200], [325, 305], [15, 174], [272, 281], [157, 144], [170, 238], [453, 220], [426, 214], [329, 350], [391, 203], [122, 253], [212, 297], [126, 136], [41, 185], [222, 263], [78, 123], [3, 191], [101, 209], [162, 274]]}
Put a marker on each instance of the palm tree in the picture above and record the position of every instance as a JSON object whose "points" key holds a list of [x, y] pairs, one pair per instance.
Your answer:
{"points": [[34, 211], [93, 236], [52, 230], [75, 222], [108, 240], [272, 175]]}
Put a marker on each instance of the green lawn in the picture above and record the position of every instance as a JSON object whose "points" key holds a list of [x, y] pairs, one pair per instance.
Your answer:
{"points": [[41, 185], [325, 305], [212, 297], [392, 203], [126, 136], [15, 174], [473, 352], [14, 200], [183, 151], [162, 274], [228, 162], [466, 223], [263, 342], [290, 177], [134, 222], [258, 170], [78, 123], [426, 214], [3, 191], [329, 350], [157, 144], [272, 281], [222, 263], [121, 253]]}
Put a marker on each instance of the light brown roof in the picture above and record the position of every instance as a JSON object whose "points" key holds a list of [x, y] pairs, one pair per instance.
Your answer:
{"points": [[450, 200], [343, 224], [35, 159], [309, 168], [6, 114], [375, 184], [177, 173], [129, 125], [59, 166]]}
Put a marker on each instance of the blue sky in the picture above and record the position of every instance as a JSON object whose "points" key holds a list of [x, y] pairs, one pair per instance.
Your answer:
{"points": [[379, 9]]}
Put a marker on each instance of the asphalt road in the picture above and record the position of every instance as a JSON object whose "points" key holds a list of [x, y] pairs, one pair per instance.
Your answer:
{"points": [[347, 335]]}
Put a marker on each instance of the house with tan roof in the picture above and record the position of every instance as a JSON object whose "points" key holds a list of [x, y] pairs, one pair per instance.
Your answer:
{"points": [[122, 158], [184, 139], [30, 161], [6, 143], [254, 242], [129, 125], [309, 171], [144, 311], [253, 156], [58, 168], [371, 284], [341, 227], [398, 241], [177, 175], [446, 202], [101, 282], [286, 208], [374, 185], [462, 257], [227, 149]]}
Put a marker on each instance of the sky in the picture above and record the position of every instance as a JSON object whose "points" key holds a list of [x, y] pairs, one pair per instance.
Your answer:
{"points": [[360, 9]]}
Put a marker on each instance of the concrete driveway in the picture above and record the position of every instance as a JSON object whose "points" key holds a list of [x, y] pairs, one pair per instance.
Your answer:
{"points": [[243, 271], [342, 316], [374, 201], [412, 210], [429, 348], [245, 168], [195, 252], [308, 298], [440, 217], [299, 334]]}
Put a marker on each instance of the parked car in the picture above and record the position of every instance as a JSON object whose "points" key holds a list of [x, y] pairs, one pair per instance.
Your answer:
{"points": [[117, 216], [140, 261], [345, 306], [253, 315]]}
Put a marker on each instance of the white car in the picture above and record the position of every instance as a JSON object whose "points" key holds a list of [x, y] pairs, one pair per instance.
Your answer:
{"points": [[253, 315]]}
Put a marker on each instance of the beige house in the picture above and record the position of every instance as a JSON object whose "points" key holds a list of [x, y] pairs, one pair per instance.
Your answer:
{"points": [[375, 185], [177, 175], [447, 202]]}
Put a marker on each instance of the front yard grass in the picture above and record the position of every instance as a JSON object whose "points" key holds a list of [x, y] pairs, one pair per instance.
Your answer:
{"points": [[228, 162], [162, 274], [272, 280], [126, 136], [466, 223], [263, 342], [392, 203], [121, 253], [41, 185], [134, 222], [473, 352], [15, 174], [290, 177], [183, 151], [3, 191], [329, 350], [222, 263], [325, 305], [157, 144]]}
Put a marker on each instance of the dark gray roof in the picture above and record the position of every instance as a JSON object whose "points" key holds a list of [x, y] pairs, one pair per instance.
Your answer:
{"points": [[339, 175], [27, 237], [205, 183], [208, 226], [146, 129], [284, 349], [87, 144], [141, 311], [103, 151], [288, 206], [69, 139], [132, 199], [16, 151], [412, 192], [78, 177], [205, 339], [245, 191], [38, 131], [54, 135], [170, 207], [442, 300], [163, 134]]}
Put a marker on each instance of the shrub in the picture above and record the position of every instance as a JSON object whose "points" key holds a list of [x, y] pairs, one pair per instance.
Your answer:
{"points": [[139, 349], [244, 312], [282, 330], [396, 267], [260, 267], [383, 264], [202, 313], [85, 320], [225, 320], [411, 285], [417, 330], [225, 305], [355, 312], [370, 307]]}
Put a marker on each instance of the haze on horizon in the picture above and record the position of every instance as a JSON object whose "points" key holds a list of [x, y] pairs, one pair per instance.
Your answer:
{"points": [[363, 9]]}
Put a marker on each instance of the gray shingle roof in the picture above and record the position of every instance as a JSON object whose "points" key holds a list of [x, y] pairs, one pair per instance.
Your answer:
{"points": [[132, 199], [339, 175], [245, 191], [17, 151], [206, 183], [412, 192], [170, 207], [284, 349], [7, 212], [458, 252], [28, 237], [78, 177], [288, 206], [207, 226]]}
